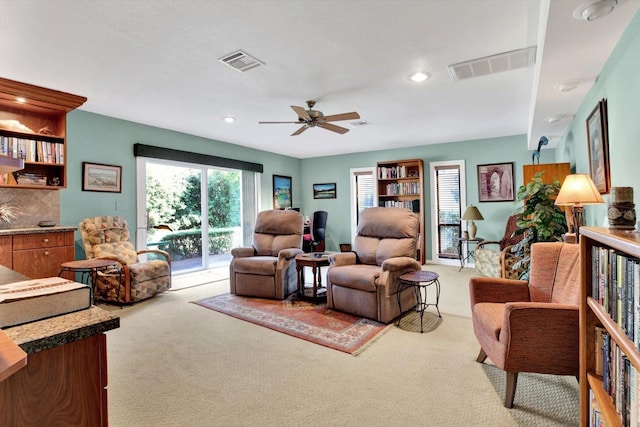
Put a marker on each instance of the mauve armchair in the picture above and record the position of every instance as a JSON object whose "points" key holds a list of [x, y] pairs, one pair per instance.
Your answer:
{"points": [[531, 326], [365, 282], [267, 269]]}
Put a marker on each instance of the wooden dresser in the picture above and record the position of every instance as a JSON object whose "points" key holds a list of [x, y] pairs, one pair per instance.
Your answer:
{"points": [[37, 252]]}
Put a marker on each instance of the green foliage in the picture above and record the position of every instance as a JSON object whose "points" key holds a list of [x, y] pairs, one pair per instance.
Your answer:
{"points": [[188, 244], [541, 220]]}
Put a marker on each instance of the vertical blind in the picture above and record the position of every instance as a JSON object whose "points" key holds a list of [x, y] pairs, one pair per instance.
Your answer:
{"points": [[448, 207], [365, 192]]}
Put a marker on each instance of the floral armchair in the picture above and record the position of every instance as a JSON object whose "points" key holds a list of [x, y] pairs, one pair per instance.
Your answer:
{"points": [[494, 258], [108, 237]]}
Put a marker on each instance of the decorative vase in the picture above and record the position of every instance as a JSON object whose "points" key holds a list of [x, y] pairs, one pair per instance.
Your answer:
{"points": [[621, 209]]}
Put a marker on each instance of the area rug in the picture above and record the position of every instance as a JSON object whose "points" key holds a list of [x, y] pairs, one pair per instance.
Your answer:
{"points": [[312, 322]]}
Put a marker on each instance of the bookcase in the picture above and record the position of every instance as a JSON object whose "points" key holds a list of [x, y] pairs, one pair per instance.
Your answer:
{"points": [[609, 327], [33, 127], [401, 184]]}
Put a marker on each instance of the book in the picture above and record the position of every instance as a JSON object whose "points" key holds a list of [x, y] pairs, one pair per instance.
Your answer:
{"points": [[31, 300]]}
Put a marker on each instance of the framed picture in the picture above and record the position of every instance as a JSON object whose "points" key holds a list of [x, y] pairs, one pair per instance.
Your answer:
{"points": [[598, 140], [324, 191], [495, 182], [105, 178], [282, 194]]}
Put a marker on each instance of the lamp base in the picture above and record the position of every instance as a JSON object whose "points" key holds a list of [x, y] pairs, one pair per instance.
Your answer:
{"points": [[578, 219], [472, 230]]}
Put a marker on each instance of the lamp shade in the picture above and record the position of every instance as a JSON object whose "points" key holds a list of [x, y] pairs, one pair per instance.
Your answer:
{"points": [[472, 214], [578, 189]]}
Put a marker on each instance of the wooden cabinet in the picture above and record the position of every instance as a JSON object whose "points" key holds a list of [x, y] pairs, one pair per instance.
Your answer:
{"points": [[33, 127], [64, 385], [37, 254], [401, 184], [552, 171], [610, 273]]}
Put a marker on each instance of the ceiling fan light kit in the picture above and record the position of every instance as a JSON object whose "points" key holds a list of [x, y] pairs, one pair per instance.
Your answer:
{"points": [[313, 118]]}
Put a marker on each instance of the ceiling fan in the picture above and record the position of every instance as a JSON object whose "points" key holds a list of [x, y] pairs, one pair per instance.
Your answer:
{"points": [[311, 118]]}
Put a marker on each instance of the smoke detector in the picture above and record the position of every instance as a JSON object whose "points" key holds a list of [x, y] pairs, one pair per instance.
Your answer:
{"points": [[594, 9]]}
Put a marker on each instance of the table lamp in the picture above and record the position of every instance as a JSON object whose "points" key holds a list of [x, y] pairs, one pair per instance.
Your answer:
{"points": [[472, 214], [578, 190]]}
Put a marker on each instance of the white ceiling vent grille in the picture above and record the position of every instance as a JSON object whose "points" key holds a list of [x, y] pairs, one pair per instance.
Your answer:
{"points": [[241, 61], [506, 61]]}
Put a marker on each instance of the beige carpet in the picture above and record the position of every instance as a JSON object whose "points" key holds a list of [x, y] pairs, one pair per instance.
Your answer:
{"points": [[172, 363]]}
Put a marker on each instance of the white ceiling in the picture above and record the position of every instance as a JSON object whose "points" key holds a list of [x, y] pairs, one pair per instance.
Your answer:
{"points": [[156, 62]]}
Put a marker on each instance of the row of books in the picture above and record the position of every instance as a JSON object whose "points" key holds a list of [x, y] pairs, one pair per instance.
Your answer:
{"points": [[615, 285], [32, 150], [393, 172], [619, 378], [414, 205], [402, 189], [24, 178]]}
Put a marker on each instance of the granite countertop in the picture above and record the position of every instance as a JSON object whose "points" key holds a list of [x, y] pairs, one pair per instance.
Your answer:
{"points": [[55, 331], [36, 230]]}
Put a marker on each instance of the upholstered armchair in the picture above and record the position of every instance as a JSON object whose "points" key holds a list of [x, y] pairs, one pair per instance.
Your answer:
{"points": [[530, 326], [494, 258], [267, 269], [365, 282], [131, 280]]}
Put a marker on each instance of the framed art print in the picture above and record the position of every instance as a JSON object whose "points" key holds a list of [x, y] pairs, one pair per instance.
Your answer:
{"points": [[598, 144], [103, 178], [282, 193], [324, 191], [495, 182]]}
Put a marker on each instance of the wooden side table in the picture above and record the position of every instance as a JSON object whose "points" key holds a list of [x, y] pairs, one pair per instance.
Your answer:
{"points": [[420, 280], [315, 260], [88, 270]]}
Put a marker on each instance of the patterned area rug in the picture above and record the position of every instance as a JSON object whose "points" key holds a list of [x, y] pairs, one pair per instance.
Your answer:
{"points": [[311, 322]]}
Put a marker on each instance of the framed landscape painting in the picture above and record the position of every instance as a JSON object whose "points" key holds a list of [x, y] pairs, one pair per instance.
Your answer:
{"points": [[324, 191], [598, 140], [282, 193], [495, 182], [104, 178]]}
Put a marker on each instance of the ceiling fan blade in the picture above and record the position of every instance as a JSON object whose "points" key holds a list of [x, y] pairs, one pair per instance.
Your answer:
{"points": [[269, 123], [344, 116], [333, 128], [302, 113], [299, 131]]}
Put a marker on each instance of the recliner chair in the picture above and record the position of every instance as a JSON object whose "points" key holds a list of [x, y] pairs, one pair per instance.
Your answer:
{"points": [[267, 269], [108, 237], [365, 282], [499, 262], [314, 241]]}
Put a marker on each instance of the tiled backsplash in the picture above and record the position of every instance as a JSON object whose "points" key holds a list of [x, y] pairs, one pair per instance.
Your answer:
{"points": [[31, 206]]}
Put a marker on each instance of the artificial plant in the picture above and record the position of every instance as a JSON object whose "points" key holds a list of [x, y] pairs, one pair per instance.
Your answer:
{"points": [[541, 219]]}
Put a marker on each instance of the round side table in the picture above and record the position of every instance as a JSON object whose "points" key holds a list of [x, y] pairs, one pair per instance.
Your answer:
{"points": [[420, 280], [88, 270]]}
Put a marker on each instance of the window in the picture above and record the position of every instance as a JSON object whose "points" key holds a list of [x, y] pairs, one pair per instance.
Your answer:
{"points": [[363, 193], [447, 198]]}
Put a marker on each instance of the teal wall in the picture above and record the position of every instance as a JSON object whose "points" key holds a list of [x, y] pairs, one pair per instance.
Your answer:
{"points": [[474, 153], [101, 139], [619, 83]]}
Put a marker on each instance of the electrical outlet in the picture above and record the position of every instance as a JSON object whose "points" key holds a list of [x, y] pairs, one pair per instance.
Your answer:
{"points": [[120, 206]]}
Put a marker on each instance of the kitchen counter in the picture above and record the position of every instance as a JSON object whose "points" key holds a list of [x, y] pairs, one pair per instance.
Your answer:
{"points": [[35, 230]]}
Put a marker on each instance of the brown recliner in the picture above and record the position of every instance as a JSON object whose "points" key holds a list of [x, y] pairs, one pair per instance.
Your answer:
{"points": [[267, 269], [531, 326], [365, 282]]}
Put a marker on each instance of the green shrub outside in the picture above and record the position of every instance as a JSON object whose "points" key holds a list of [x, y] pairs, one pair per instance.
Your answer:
{"points": [[188, 244]]}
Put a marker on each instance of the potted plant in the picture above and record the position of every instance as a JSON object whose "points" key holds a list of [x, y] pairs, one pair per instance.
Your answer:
{"points": [[541, 220]]}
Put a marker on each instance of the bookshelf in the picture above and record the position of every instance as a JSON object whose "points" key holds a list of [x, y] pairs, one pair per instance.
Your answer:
{"points": [[33, 127], [609, 327], [401, 184]]}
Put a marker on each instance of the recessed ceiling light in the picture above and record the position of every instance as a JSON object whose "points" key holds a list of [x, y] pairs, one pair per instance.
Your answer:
{"points": [[594, 9], [419, 77], [229, 119], [556, 118], [568, 86]]}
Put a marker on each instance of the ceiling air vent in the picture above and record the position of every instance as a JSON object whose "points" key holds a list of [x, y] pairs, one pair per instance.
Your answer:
{"points": [[241, 61], [506, 61]]}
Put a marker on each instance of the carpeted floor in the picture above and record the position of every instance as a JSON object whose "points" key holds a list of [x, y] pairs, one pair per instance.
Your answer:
{"points": [[172, 363]]}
